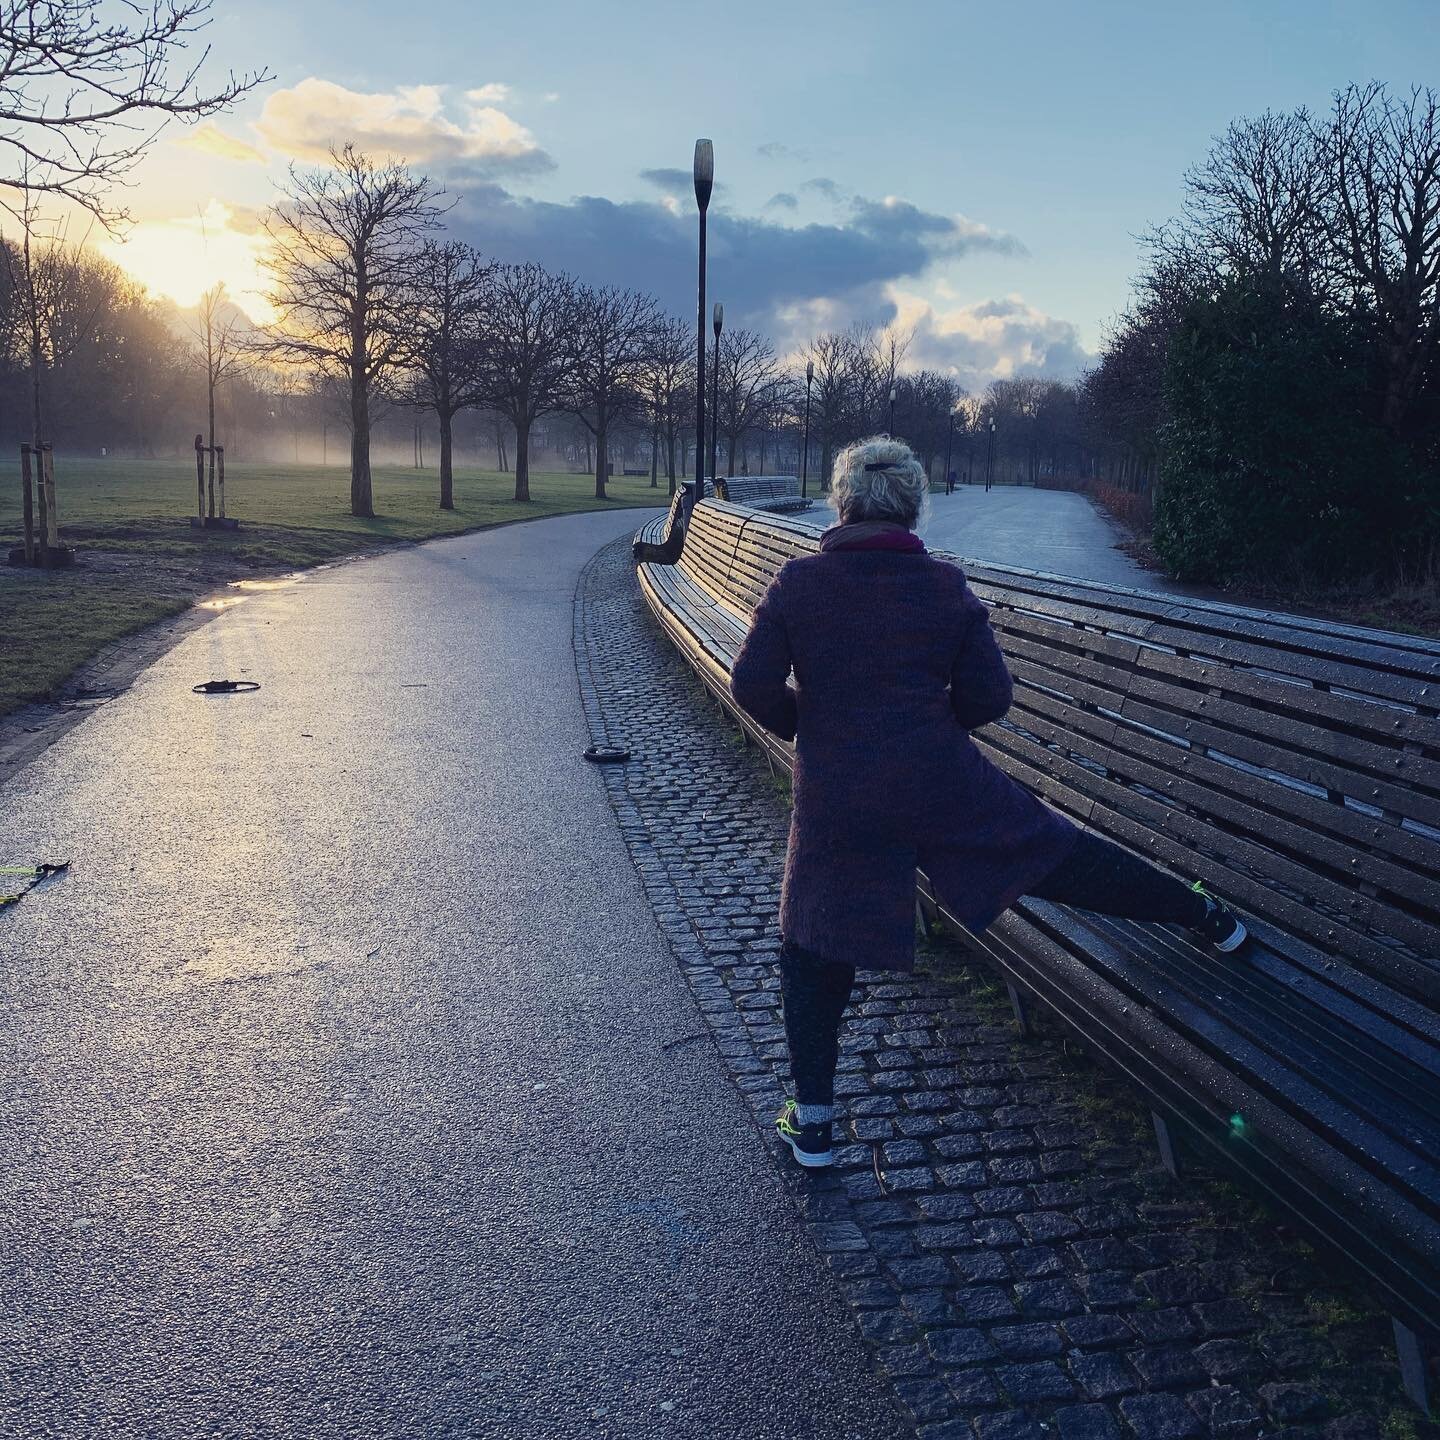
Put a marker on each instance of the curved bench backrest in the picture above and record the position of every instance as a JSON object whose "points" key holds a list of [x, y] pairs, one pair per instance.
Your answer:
{"points": [[752, 489], [1296, 762], [733, 552]]}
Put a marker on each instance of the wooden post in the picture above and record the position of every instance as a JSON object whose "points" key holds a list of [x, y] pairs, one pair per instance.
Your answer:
{"points": [[220, 457], [200, 476], [42, 521], [52, 518], [28, 504]]}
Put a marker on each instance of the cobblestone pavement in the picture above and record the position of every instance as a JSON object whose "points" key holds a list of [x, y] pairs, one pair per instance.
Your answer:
{"points": [[998, 1222]]}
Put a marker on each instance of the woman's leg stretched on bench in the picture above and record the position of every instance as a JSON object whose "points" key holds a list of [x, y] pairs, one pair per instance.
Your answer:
{"points": [[1103, 877]]}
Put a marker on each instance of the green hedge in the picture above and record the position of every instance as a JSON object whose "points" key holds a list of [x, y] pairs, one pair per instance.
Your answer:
{"points": [[1274, 463]]}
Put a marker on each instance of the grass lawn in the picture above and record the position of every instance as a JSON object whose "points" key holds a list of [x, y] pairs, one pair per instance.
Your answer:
{"points": [[140, 560]]}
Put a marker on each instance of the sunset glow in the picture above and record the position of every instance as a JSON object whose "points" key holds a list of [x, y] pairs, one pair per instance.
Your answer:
{"points": [[183, 257]]}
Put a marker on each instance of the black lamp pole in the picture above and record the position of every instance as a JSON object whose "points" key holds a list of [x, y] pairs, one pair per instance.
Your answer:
{"points": [[805, 453], [990, 454], [890, 428], [949, 446], [719, 322], [704, 183]]}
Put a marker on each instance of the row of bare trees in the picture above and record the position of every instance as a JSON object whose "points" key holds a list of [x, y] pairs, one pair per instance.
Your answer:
{"points": [[371, 297]]}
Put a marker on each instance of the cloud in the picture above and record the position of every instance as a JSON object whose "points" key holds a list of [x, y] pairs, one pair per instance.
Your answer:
{"points": [[782, 200], [788, 280], [823, 185], [411, 123], [778, 150], [668, 178], [492, 94], [209, 139], [991, 340], [893, 218]]}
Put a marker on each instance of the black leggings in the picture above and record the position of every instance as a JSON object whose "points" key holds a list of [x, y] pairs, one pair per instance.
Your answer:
{"points": [[1096, 875]]}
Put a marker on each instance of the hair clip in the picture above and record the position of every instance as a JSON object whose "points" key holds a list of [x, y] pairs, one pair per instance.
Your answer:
{"points": [[880, 465]]}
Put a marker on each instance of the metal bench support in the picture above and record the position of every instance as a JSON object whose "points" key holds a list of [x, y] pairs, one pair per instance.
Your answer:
{"points": [[1165, 1139], [1021, 1007], [1413, 1357]]}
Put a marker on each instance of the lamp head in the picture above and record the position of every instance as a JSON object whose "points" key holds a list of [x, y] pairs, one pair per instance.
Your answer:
{"points": [[892, 394], [719, 320], [809, 371], [704, 173]]}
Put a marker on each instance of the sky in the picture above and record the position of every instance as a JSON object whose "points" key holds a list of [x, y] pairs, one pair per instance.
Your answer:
{"points": [[980, 172]]}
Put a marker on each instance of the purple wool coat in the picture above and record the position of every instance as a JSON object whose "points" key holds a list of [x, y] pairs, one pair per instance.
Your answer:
{"points": [[895, 664]]}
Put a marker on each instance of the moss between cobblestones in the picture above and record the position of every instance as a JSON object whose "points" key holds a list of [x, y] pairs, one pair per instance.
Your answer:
{"points": [[1026, 1262]]}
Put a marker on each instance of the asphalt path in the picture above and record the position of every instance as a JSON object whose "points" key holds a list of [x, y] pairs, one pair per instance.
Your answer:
{"points": [[1057, 531], [350, 1089]]}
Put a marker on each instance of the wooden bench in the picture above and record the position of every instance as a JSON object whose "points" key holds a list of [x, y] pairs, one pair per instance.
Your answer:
{"points": [[775, 493], [1293, 763]]}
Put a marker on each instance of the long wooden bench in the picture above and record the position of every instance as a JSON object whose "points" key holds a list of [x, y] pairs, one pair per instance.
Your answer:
{"points": [[776, 493], [1295, 764]]}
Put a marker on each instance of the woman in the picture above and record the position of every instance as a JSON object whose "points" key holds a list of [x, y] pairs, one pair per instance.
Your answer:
{"points": [[895, 664]]}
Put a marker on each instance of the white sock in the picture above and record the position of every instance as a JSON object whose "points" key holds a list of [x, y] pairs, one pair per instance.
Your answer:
{"points": [[814, 1114]]}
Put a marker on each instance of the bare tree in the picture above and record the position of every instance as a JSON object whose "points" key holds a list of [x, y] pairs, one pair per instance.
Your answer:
{"points": [[923, 405], [220, 348], [527, 348], [877, 362], [85, 87], [746, 382], [63, 289], [345, 249], [671, 379], [1383, 167], [1253, 203], [448, 322], [837, 362], [613, 339]]}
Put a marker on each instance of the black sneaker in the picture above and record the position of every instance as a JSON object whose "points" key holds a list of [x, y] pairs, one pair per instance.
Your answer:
{"points": [[810, 1144], [1221, 927]]}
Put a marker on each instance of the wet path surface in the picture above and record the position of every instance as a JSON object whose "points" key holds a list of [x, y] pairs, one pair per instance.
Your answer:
{"points": [[352, 1090], [1057, 531]]}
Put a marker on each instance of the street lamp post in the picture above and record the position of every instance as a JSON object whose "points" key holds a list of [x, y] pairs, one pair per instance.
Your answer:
{"points": [[805, 453], [704, 183], [990, 453], [949, 446], [719, 323], [890, 427]]}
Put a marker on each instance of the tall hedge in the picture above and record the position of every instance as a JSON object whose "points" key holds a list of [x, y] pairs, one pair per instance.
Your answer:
{"points": [[1275, 465]]}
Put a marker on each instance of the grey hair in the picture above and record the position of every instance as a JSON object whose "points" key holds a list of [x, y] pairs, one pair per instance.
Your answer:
{"points": [[879, 479]]}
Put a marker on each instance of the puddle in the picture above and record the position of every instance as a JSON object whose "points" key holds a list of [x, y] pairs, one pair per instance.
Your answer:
{"points": [[228, 602], [284, 583]]}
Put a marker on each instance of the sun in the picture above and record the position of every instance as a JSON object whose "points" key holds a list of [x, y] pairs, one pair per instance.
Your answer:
{"points": [[183, 257]]}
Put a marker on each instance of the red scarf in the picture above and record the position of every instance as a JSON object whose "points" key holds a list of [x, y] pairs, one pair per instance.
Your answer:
{"points": [[872, 535]]}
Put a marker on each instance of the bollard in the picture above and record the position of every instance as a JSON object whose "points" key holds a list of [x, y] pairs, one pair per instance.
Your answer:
{"points": [[220, 456], [52, 520], [28, 499], [200, 476]]}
